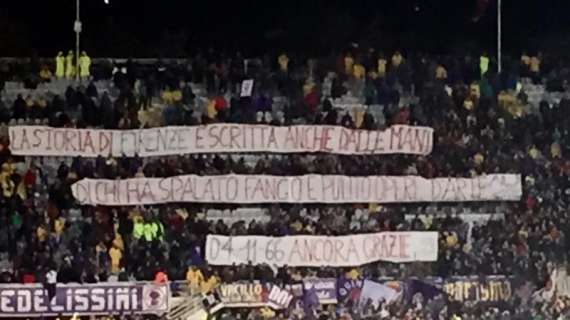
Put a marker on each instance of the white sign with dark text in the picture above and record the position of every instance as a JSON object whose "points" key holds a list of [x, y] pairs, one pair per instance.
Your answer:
{"points": [[316, 251], [249, 189], [216, 138]]}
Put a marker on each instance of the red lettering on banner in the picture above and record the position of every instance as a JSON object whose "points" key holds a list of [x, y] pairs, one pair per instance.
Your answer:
{"points": [[248, 185], [364, 189], [70, 137], [126, 144], [296, 251], [101, 192], [165, 190], [291, 139], [214, 135], [395, 136], [272, 144], [172, 138], [252, 134], [328, 251], [87, 142], [147, 192], [263, 135], [317, 139], [326, 137], [369, 245], [282, 196], [209, 193], [310, 189], [410, 189], [353, 140], [81, 192], [477, 188], [451, 191], [158, 135], [36, 134], [329, 184], [49, 142], [106, 142], [365, 141], [343, 139], [310, 250], [24, 141], [420, 138], [178, 185], [296, 188], [132, 192], [189, 189], [180, 141], [258, 190], [404, 245], [223, 133], [389, 189], [270, 189], [359, 140], [232, 186], [199, 138], [352, 251], [234, 135], [59, 140], [305, 137], [379, 142], [461, 188], [339, 250], [408, 139]]}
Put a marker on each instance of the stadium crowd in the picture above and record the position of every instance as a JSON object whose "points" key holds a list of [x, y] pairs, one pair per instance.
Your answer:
{"points": [[483, 123]]}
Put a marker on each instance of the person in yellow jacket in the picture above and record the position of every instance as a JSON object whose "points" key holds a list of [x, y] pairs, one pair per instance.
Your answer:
{"points": [[69, 67], [195, 278], [45, 74], [59, 65], [484, 63], [116, 255], [84, 65], [358, 71]]}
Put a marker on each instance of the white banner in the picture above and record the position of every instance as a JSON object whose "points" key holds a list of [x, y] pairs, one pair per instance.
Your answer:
{"points": [[295, 189], [216, 138], [317, 251], [246, 88]]}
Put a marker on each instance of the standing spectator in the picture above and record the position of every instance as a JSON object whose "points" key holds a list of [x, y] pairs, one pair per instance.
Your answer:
{"points": [[382, 66], [283, 61], [69, 67], [484, 63], [59, 65], [84, 66], [397, 60]]}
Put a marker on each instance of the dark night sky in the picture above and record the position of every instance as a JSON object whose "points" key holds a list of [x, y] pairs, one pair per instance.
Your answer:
{"points": [[152, 27]]}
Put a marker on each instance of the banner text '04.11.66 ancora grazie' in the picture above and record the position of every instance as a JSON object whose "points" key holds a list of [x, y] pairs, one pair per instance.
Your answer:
{"points": [[218, 138], [295, 189], [317, 251]]}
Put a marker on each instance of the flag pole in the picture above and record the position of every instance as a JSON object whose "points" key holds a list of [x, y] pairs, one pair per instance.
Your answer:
{"points": [[499, 38]]}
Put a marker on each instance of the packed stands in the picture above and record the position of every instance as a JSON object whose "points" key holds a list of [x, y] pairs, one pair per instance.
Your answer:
{"points": [[500, 220]]}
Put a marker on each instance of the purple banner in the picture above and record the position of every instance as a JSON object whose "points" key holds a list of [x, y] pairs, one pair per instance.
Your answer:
{"points": [[324, 288], [84, 300], [349, 289]]}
